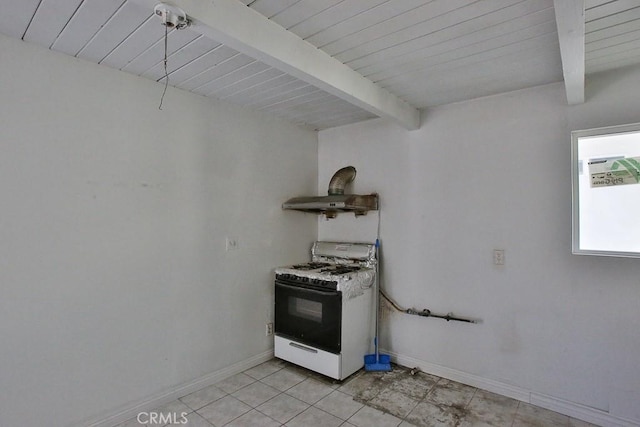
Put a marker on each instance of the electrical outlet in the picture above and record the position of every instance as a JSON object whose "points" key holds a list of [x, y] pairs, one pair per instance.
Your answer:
{"points": [[498, 256], [231, 244], [269, 330]]}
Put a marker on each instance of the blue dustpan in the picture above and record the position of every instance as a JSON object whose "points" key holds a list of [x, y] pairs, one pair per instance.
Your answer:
{"points": [[377, 362]]}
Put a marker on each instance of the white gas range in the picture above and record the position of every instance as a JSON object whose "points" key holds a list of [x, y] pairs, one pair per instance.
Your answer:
{"points": [[324, 308]]}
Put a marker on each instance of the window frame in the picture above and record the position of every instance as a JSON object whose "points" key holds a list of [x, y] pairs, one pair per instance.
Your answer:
{"points": [[576, 135]]}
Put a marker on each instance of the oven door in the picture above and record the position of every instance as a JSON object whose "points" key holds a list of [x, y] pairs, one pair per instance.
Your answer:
{"points": [[309, 316]]}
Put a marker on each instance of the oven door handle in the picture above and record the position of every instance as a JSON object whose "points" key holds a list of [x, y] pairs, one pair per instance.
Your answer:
{"points": [[305, 289], [301, 347]]}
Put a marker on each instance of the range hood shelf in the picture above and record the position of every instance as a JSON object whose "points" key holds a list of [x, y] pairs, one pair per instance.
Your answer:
{"points": [[336, 201], [330, 206]]}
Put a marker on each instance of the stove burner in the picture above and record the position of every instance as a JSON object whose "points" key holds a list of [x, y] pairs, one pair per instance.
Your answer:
{"points": [[310, 266], [340, 269]]}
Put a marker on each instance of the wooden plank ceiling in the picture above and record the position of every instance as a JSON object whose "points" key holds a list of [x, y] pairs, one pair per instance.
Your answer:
{"points": [[425, 52], [612, 34]]}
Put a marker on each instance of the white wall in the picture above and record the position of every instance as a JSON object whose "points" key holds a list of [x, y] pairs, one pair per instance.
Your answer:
{"points": [[114, 280], [494, 173]]}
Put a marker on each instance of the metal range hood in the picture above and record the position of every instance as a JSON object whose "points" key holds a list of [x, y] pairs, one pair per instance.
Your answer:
{"points": [[336, 201]]}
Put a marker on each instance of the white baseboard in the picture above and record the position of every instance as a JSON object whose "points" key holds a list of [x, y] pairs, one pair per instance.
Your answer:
{"points": [[580, 412], [571, 409], [159, 399]]}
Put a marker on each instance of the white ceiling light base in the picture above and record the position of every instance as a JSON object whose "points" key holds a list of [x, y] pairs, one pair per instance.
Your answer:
{"points": [[172, 16]]}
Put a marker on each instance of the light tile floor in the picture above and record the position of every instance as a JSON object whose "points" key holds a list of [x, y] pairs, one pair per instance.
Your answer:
{"points": [[277, 393]]}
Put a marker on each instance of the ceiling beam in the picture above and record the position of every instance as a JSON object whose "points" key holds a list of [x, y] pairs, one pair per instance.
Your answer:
{"points": [[232, 23], [570, 23]]}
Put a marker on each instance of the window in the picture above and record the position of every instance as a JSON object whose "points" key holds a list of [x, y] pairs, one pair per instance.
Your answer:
{"points": [[606, 191]]}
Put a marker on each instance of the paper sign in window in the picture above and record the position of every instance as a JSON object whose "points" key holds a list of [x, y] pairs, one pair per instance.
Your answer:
{"points": [[613, 172]]}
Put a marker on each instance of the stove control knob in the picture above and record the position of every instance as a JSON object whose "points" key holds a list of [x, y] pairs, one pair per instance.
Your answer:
{"points": [[305, 279]]}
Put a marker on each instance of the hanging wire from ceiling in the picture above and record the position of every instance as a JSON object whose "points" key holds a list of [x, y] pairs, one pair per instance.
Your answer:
{"points": [[166, 73], [171, 17]]}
